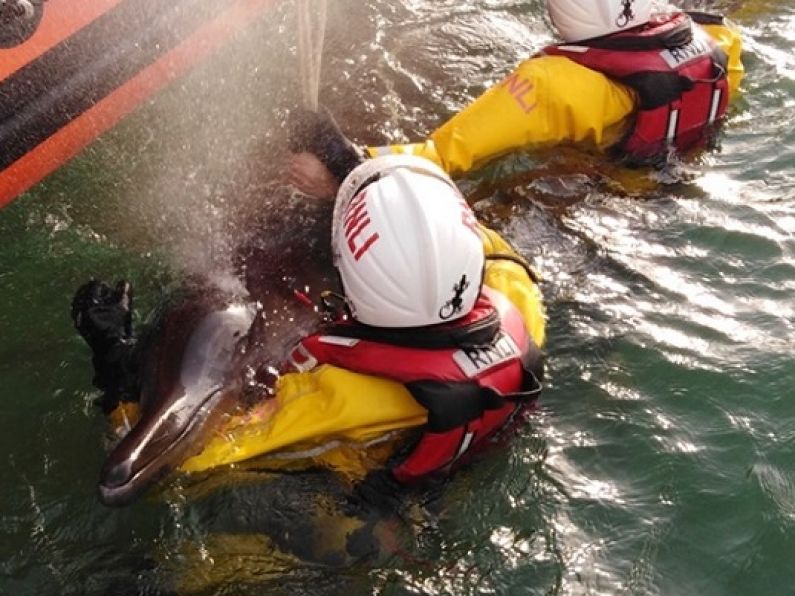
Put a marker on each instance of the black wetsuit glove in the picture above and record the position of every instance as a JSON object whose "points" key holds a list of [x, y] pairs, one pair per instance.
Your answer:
{"points": [[318, 133], [380, 491], [103, 316]]}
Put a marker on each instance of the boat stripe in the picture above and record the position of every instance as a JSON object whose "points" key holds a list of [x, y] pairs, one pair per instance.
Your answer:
{"points": [[79, 132], [68, 140], [62, 18], [68, 79]]}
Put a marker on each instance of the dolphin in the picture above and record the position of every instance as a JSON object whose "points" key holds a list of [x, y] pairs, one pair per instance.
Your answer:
{"points": [[211, 352], [191, 370]]}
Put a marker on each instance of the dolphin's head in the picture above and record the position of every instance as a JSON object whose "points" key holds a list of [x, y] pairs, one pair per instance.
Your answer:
{"points": [[192, 377]]}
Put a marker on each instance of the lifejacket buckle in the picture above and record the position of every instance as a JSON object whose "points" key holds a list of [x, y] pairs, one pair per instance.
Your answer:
{"points": [[334, 307]]}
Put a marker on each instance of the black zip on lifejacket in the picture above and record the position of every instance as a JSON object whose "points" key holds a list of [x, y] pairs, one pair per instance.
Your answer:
{"points": [[478, 333], [706, 18], [677, 34]]}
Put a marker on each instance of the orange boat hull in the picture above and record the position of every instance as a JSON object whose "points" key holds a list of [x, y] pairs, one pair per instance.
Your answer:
{"points": [[88, 64]]}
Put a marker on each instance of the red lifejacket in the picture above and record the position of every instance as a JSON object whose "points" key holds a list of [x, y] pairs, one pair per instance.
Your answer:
{"points": [[678, 72], [471, 375]]}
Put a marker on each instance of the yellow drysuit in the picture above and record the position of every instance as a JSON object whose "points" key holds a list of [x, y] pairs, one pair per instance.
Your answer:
{"points": [[547, 100]]}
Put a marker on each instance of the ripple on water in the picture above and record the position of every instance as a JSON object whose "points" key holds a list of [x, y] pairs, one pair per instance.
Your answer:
{"points": [[660, 458], [778, 485]]}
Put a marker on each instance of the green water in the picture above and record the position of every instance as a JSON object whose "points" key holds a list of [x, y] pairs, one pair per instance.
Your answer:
{"points": [[661, 458]]}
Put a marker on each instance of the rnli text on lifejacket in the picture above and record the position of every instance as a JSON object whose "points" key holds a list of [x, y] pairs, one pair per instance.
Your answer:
{"points": [[474, 361], [676, 56]]}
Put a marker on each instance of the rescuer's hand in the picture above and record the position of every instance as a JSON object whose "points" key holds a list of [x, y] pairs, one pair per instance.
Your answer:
{"points": [[318, 133], [103, 316], [310, 175]]}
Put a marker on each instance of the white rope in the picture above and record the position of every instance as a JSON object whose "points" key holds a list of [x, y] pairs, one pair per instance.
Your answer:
{"points": [[310, 47]]}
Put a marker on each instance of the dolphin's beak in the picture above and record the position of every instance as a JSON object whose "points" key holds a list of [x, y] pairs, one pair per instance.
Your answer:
{"points": [[190, 387], [156, 446]]}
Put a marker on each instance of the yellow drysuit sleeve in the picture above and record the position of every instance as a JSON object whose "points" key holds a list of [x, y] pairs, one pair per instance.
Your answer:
{"points": [[547, 100]]}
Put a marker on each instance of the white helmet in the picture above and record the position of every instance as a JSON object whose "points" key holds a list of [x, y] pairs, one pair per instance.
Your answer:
{"points": [[406, 244], [577, 20]]}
